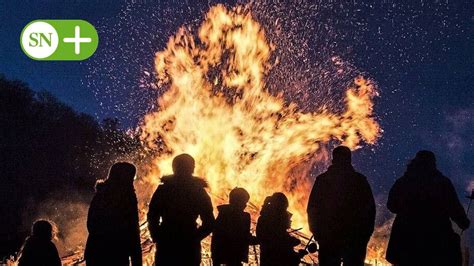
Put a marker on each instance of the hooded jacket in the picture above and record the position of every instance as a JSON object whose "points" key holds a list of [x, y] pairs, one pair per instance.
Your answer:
{"points": [[231, 236], [172, 219], [425, 202]]}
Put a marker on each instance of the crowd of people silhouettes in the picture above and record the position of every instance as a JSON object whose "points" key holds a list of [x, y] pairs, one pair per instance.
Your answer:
{"points": [[341, 215]]}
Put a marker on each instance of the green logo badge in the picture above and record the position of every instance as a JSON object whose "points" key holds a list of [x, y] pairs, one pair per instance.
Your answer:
{"points": [[59, 40]]}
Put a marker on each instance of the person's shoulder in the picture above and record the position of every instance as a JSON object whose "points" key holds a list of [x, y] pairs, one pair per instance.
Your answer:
{"points": [[246, 216], [100, 186], [322, 176], [28, 243], [50, 245], [402, 183], [222, 208], [197, 185], [360, 176], [166, 180], [163, 188], [444, 180], [34, 243], [199, 182]]}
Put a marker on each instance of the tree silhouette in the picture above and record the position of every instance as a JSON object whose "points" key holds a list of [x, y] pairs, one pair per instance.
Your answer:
{"points": [[46, 149]]}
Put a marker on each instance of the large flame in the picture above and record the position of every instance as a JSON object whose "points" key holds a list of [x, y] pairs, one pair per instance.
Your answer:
{"points": [[218, 110]]}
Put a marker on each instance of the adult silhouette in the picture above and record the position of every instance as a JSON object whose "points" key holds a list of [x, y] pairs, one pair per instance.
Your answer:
{"points": [[38, 249], [231, 236], [174, 208], [341, 212], [112, 221], [425, 202], [276, 244]]}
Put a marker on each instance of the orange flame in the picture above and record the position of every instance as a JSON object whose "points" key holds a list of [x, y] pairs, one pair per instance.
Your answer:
{"points": [[218, 110]]}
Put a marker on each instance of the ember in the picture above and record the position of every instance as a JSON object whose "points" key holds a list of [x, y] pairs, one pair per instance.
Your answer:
{"points": [[218, 110]]}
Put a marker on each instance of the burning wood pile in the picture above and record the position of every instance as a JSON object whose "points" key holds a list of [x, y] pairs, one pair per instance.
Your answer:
{"points": [[148, 247], [375, 252], [217, 108]]}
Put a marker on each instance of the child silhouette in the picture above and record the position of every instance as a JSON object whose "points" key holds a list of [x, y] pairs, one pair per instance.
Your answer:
{"points": [[38, 248], [231, 237]]}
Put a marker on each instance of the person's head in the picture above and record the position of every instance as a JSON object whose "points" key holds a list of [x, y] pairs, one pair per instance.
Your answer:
{"points": [[239, 197], [341, 155], [43, 229], [279, 201], [183, 165], [122, 175], [275, 206], [424, 161], [427, 158]]}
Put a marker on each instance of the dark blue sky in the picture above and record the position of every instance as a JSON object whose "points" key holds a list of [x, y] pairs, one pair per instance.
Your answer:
{"points": [[63, 79], [419, 52]]}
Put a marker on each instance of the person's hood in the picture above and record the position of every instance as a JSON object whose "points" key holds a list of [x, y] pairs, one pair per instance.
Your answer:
{"points": [[423, 174], [104, 188], [100, 186]]}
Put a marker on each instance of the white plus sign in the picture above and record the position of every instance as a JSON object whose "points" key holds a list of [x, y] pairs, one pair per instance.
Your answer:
{"points": [[77, 40]]}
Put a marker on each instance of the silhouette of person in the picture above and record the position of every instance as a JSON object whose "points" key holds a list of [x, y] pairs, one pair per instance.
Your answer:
{"points": [[112, 221], [176, 204], [276, 244], [424, 202], [38, 249], [341, 212], [231, 236]]}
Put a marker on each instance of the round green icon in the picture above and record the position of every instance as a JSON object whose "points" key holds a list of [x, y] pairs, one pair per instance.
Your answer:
{"points": [[59, 40]]}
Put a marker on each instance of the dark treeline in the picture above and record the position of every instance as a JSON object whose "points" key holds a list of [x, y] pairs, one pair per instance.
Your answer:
{"points": [[35, 130]]}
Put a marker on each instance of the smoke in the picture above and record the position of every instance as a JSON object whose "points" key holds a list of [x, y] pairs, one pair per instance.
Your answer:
{"points": [[68, 211], [457, 135]]}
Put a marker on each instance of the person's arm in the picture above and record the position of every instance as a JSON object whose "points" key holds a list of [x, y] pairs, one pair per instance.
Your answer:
{"points": [[99, 215], [154, 213], [136, 252], [25, 255], [261, 230], [252, 240], [455, 208], [369, 207], [55, 259], [394, 202], [93, 216], [206, 214], [313, 202]]}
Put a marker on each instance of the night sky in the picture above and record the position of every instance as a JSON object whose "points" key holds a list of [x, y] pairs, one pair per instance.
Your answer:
{"points": [[420, 53]]}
